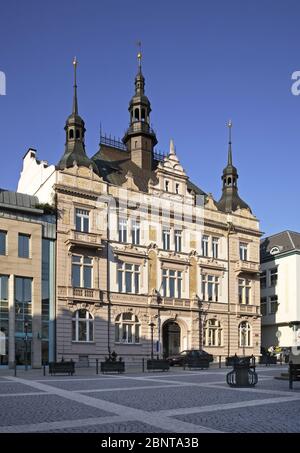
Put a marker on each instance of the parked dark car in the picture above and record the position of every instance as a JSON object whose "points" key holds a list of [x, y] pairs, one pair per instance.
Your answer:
{"points": [[183, 356]]}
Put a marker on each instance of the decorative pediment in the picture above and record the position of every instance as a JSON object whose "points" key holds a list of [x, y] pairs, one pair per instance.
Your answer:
{"points": [[210, 202], [129, 182]]}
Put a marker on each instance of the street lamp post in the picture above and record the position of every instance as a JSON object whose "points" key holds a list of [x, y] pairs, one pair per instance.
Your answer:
{"points": [[26, 344], [152, 325]]}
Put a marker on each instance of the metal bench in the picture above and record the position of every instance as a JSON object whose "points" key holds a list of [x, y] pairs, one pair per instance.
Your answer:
{"points": [[112, 367], [62, 367], [294, 368], [158, 364]]}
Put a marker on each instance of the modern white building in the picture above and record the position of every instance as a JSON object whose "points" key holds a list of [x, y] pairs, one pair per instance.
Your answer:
{"points": [[280, 289]]}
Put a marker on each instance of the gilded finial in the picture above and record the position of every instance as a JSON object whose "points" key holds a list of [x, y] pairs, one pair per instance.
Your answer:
{"points": [[75, 103], [229, 125], [139, 55]]}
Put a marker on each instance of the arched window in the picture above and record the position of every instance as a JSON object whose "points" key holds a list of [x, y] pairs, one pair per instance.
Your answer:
{"points": [[212, 333], [71, 133], [245, 337], [82, 326], [77, 133], [228, 181], [143, 114], [136, 114], [127, 328]]}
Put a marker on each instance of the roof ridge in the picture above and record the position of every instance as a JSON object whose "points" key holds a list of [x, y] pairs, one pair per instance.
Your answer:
{"points": [[289, 235]]}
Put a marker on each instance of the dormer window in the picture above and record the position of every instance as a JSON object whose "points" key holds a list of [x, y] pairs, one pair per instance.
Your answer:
{"points": [[167, 184]]}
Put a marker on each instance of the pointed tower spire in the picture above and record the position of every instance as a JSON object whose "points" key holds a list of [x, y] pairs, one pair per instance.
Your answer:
{"points": [[139, 138], [75, 131], [230, 200], [229, 125], [172, 148], [75, 102]]}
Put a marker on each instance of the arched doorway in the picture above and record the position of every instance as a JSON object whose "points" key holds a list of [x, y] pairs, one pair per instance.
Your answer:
{"points": [[171, 334]]}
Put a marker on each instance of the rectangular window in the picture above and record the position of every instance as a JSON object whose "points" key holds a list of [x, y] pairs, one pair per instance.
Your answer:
{"points": [[263, 280], [178, 240], [215, 247], [171, 283], [23, 245], [123, 230], [82, 268], [135, 232], [263, 306], [166, 239], [244, 291], [273, 304], [82, 220], [205, 245], [3, 235], [128, 276], [273, 276], [23, 304], [243, 251], [210, 288]]}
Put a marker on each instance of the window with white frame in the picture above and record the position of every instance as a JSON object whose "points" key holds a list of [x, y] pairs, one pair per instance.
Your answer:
{"points": [[245, 336], [273, 305], [82, 271], [243, 251], [166, 239], [263, 306], [263, 280], [135, 232], [171, 283], [127, 328], [82, 326], [122, 230], [128, 278], [215, 247], [273, 276], [212, 333], [210, 288], [244, 291], [178, 240], [204, 245], [82, 220]]}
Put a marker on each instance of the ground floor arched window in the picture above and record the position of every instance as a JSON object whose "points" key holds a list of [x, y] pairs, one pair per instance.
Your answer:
{"points": [[127, 328], [245, 334], [212, 333], [82, 326]]}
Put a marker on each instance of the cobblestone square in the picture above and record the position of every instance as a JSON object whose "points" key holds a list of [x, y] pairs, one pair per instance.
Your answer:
{"points": [[179, 401]]}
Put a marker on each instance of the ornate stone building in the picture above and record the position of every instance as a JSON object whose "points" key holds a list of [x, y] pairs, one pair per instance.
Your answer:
{"points": [[146, 261]]}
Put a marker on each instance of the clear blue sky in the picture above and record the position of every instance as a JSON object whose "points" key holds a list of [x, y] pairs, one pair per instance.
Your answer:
{"points": [[204, 62]]}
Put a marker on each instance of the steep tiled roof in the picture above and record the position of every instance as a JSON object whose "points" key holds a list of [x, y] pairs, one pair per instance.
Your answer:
{"points": [[114, 164], [285, 241]]}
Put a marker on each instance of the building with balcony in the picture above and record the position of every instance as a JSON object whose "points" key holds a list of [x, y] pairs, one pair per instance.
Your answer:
{"points": [[139, 243], [27, 281], [280, 289]]}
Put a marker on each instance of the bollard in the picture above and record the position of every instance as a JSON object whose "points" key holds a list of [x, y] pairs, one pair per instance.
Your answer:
{"points": [[15, 369], [220, 358], [44, 369], [97, 366], [143, 364]]}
